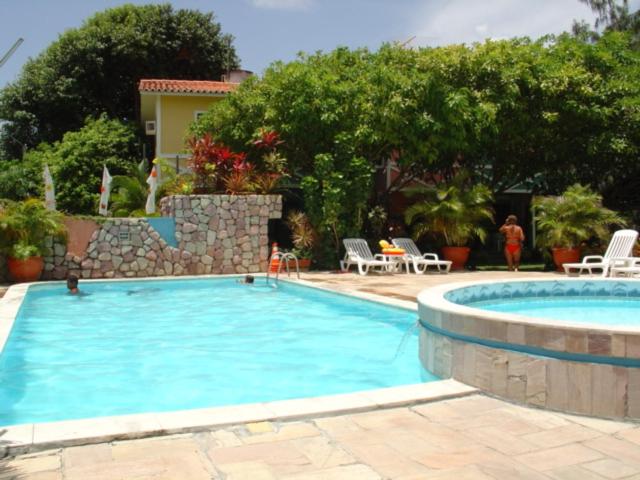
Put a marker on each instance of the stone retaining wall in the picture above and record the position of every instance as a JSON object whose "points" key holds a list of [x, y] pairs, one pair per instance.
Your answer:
{"points": [[224, 233], [121, 247], [215, 233]]}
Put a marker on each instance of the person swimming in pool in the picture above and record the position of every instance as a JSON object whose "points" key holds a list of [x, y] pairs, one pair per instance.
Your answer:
{"points": [[248, 279], [72, 284], [514, 236]]}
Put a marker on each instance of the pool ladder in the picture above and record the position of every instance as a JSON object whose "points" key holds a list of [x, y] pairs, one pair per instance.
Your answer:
{"points": [[283, 258]]}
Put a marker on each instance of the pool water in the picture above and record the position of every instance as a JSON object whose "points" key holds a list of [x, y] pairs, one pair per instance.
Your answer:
{"points": [[614, 311], [153, 346]]}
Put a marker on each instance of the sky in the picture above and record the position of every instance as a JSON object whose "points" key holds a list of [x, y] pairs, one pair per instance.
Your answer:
{"points": [[270, 30]]}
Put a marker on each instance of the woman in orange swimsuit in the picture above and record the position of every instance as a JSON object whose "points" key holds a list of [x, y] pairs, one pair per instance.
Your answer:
{"points": [[514, 236]]}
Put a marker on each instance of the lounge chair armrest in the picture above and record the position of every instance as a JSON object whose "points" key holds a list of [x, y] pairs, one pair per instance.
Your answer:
{"points": [[593, 258], [430, 256], [624, 261], [379, 256]]}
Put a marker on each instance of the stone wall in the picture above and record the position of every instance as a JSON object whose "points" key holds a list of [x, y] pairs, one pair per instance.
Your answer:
{"points": [[577, 387], [121, 247], [215, 233], [224, 233]]}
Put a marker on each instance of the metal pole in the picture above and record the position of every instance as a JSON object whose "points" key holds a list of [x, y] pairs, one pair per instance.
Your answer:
{"points": [[11, 50]]}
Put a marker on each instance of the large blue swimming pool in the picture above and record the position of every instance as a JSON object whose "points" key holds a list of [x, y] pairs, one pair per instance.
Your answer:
{"points": [[152, 346]]}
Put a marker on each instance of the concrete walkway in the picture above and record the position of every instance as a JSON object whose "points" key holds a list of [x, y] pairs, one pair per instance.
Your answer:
{"points": [[475, 438]]}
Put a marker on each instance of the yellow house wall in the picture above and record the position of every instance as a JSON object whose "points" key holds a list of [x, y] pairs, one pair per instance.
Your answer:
{"points": [[177, 113]]}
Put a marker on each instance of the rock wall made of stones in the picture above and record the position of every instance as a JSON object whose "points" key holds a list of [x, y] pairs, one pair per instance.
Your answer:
{"points": [[223, 233], [123, 247]]}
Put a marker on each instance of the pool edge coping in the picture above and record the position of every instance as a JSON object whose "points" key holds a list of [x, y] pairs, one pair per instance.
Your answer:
{"points": [[434, 297], [33, 437]]}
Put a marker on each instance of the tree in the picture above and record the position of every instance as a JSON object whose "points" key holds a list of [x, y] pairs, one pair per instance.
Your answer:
{"points": [[614, 15], [95, 69], [543, 113], [77, 161]]}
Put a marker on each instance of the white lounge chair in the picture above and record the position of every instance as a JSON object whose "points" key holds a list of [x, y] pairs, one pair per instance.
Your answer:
{"points": [[631, 269], [618, 254], [418, 259], [357, 252]]}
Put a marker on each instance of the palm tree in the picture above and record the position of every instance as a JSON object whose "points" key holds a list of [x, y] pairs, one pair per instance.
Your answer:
{"points": [[574, 217], [130, 193], [455, 211]]}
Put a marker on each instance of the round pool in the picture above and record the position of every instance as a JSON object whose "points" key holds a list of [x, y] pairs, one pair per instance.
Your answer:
{"points": [[570, 344]]}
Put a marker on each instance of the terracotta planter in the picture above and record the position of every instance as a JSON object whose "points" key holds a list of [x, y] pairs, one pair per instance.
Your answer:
{"points": [[303, 263], [565, 255], [28, 270], [457, 255]]}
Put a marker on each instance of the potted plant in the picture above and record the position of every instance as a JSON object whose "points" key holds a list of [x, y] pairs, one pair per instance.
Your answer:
{"points": [[453, 212], [565, 222], [24, 228], [303, 237]]}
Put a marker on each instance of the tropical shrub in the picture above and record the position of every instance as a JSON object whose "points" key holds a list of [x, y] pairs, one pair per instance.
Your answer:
{"points": [[573, 218], [25, 226], [218, 168], [454, 212], [303, 235]]}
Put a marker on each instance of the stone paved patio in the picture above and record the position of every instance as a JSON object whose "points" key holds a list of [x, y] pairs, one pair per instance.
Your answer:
{"points": [[476, 437]]}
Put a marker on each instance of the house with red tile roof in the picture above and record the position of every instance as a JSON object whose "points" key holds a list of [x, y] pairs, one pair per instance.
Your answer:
{"points": [[168, 107]]}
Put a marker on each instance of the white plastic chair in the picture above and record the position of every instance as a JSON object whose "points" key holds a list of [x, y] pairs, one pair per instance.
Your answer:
{"points": [[357, 252], [631, 269], [418, 259], [618, 254]]}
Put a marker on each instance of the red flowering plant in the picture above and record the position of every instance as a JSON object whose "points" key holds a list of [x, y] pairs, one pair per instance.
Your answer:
{"points": [[212, 162], [272, 166]]}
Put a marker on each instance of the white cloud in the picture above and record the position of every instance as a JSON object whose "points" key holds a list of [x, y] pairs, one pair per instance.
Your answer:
{"points": [[283, 4], [442, 22]]}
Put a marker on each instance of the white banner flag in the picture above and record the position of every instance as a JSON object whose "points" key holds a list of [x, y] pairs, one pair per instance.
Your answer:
{"points": [[49, 191], [152, 181], [105, 191]]}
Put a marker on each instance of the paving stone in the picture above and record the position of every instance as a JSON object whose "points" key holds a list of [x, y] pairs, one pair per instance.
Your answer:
{"points": [[247, 471], [552, 458], [619, 449], [610, 468], [259, 427], [23, 467], [574, 472], [555, 437], [351, 472], [284, 432], [86, 455]]}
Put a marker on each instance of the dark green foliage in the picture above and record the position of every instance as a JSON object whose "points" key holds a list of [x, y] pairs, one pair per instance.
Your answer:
{"points": [[76, 164], [456, 211], [540, 114], [95, 69], [25, 227], [572, 218]]}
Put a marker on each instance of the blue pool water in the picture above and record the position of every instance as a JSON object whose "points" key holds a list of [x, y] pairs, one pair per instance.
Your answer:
{"points": [[131, 347], [614, 311]]}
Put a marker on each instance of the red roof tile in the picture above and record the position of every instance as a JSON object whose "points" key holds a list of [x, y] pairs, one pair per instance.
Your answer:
{"points": [[185, 86]]}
